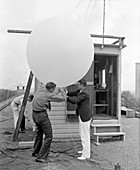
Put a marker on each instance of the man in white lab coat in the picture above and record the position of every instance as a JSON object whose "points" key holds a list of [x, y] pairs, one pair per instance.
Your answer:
{"points": [[16, 106]]}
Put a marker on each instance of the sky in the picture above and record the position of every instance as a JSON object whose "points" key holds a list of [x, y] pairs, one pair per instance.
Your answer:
{"points": [[122, 18]]}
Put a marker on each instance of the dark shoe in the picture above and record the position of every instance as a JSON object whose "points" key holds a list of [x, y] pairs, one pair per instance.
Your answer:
{"points": [[34, 154], [42, 160]]}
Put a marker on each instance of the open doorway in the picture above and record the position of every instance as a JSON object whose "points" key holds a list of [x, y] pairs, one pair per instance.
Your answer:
{"points": [[105, 87]]}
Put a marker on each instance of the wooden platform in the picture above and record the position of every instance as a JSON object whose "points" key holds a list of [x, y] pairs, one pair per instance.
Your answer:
{"points": [[67, 130], [98, 128], [106, 130], [96, 136]]}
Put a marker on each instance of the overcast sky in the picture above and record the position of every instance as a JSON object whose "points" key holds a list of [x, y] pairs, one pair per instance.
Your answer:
{"points": [[122, 19]]}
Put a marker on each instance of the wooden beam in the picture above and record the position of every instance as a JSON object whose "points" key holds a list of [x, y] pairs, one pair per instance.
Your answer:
{"points": [[19, 31], [21, 113], [119, 87], [106, 36], [116, 42], [112, 88]]}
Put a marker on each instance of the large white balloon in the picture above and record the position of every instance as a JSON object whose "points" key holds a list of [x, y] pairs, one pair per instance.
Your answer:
{"points": [[59, 50]]}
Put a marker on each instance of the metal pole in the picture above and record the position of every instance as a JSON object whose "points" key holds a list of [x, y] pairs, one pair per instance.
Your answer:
{"points": [[103, 21]]}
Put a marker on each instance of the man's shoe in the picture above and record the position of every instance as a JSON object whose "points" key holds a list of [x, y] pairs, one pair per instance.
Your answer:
{"points": [[80, 152], [82, 158], [34, 154], [42, 160]]}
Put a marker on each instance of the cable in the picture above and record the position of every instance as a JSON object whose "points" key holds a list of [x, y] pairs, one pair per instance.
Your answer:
{"points": [[110, 9], [70, 129], [93, 5], [87, 11], [103, 20], [92, 10], [77, 6]]}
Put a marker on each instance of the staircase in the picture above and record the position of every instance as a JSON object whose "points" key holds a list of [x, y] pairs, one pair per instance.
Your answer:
{"points": [[62, 128], [106, 130]]}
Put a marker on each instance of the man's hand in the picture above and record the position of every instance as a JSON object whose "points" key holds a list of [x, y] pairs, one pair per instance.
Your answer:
{"points": [[60, 90], [63, 92]]}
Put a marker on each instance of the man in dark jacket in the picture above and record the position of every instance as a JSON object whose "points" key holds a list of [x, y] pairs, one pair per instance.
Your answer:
{"points": [[81, 97]]}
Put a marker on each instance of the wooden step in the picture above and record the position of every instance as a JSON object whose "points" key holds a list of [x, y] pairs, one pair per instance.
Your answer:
{"points": [[60, 136], [66, 126], [59, 117], [57, 113], [109, 134], [97, 135], [58, 104], [111, 121], [58, 108], [104, 125], [66, 131], [57, 121], [99, 128]]}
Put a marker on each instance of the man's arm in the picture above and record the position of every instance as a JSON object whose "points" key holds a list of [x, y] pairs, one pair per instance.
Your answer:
{"points": [[57, 97], [77, 99], [74, 93]]}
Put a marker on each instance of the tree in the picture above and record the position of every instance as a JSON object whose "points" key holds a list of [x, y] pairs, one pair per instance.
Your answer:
{"points": [[128, 100]]}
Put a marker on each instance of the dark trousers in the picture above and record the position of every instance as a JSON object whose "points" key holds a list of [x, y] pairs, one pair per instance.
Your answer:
{"points": [[43, 125], [22, 126]]}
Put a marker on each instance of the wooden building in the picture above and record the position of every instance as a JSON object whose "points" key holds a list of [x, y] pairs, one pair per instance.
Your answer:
{"points": [[104, 84]]}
